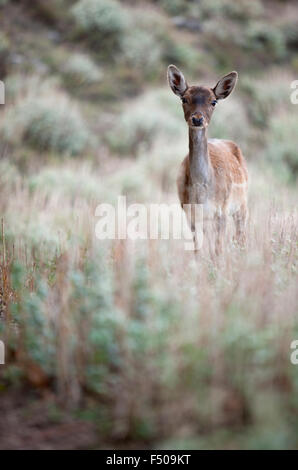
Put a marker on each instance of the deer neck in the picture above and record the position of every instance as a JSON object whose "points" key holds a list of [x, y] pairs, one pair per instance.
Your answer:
{"points": [[199, 161]]}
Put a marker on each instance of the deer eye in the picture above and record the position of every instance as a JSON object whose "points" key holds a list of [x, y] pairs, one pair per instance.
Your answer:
{"points": [[213, 103], [184, 100]]}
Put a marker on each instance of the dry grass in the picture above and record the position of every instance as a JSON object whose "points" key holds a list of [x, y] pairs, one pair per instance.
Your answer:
{"points": [[156, 345]]}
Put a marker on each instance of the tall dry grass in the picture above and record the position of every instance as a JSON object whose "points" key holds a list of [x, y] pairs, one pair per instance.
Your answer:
{"points": [[155, 346]]}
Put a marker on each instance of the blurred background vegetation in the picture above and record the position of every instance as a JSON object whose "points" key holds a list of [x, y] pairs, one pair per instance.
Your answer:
{"points": [[114, 345]]}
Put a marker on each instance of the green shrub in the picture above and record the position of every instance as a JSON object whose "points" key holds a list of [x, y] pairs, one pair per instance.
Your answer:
{"points": [[294, 63], [51, 12], [266, 39], [229, 121], [4, 43], [19, 87], [52, 124], [265, 96], [290, 32], [139, 125], [240, 10], [142, 50], [28, 313], [4, 53], [264, 42], [258, 37], [144, 43], [67, 181], [282, 144], [81, 70], [174, 7], [9, 175], [183, 55], [102, 22], [93, 306]]}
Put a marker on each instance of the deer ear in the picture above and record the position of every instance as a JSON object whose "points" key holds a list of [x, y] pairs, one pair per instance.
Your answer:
{"points": [[176, 80], [225, 85]]}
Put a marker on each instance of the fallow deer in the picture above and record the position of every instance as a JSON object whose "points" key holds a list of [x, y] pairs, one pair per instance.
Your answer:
{"points": [[214, 172]]}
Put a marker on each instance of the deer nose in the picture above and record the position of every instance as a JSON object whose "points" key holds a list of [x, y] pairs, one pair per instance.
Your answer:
{"points": [[197, 122]]}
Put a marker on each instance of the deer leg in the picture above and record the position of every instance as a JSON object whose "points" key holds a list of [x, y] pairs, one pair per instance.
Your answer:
{"points": [[220, 226], [240, 219], [193, 231], [197, 244], [194, 221]]}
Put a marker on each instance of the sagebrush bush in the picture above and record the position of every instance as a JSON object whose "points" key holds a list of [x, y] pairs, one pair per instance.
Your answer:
{"points": [[67, 182], [174, 7], [266, 96], [80, 70], [230, 121], [183, 55], [4, 53], [102, 22], [144, 43], [240, 10], [252, 42], [141, 123], [4, 44], [19, 87], [290, 32], [142, 50], [264, 38], [52, 124], [282, 144], [9, 175]]}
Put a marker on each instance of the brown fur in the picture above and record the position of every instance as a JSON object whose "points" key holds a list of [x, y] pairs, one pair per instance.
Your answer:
{"points": [[229, 168]]}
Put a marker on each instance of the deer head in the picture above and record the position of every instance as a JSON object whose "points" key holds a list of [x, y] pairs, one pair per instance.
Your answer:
{"points": [[198, 101]]}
